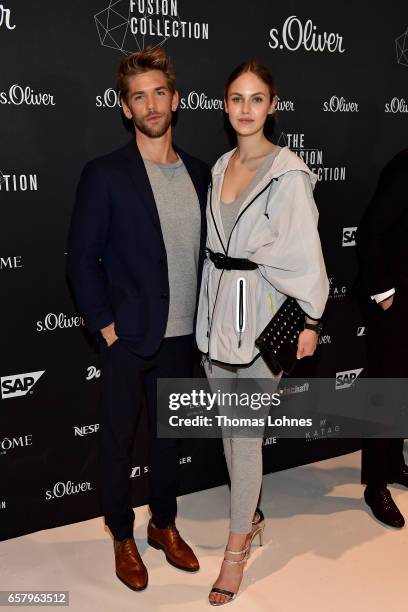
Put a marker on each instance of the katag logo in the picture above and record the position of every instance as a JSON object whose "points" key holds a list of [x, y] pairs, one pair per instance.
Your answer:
{"points": [[346, 379], [349, 236], [19, 384]]}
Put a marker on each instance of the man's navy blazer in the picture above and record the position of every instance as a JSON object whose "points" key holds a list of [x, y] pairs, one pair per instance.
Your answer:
{"points": [[117, 263]]}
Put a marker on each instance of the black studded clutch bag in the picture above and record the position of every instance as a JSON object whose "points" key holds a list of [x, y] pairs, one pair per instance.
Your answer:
{"points": [[278, 341]]}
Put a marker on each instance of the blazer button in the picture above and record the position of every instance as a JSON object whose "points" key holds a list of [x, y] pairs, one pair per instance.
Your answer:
{"points": [[164, 296]]}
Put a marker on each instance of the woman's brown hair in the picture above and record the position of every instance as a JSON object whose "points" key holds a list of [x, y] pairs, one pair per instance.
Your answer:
{"points": [[257, 68]]}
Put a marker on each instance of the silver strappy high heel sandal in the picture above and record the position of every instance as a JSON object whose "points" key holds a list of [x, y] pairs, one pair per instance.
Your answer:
{"points": [[231, 596], [258, 526]]}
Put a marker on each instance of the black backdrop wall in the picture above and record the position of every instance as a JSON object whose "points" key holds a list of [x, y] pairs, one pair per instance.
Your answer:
{"points": [[341, 70]]}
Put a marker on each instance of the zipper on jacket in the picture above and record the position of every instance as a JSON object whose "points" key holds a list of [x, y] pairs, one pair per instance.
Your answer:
{"points": [[240, 311]]}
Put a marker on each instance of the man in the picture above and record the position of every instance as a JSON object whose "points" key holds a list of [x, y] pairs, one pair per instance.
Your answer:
{"points": [[136, 249], [382, 248]]}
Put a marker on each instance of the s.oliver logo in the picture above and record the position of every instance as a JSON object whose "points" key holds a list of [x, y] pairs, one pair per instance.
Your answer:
{"points": [[109, 99], [340, 105], [5, 18], [59, 321], [61, 489], [18, 96], [396, 105], [201, 101], [295, 35]]}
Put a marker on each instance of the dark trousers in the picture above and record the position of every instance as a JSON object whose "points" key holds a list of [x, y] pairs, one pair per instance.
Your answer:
{"points": [[126, 377], [387, 358]]}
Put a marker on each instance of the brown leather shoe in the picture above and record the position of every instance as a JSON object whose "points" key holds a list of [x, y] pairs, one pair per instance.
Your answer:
{"points": [[130, 568], [177, 551]]}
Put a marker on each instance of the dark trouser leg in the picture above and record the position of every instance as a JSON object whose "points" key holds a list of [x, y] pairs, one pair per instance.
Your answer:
{"points": [[174, 360], [381, 459], [119, 412], [386, 352]]}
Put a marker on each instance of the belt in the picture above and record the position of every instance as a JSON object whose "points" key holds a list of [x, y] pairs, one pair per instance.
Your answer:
{"points": [[223, 262]]}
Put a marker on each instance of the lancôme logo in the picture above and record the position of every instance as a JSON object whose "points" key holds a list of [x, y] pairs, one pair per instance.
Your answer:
{"points": [[19, 384]]}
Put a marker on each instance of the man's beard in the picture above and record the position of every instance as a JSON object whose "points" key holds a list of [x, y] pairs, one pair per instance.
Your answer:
{"points": [[151, 131]]}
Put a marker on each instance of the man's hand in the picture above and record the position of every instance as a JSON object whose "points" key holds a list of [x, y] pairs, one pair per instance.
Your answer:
{"points": [[385, 304], [307, 343], [109, 334]]}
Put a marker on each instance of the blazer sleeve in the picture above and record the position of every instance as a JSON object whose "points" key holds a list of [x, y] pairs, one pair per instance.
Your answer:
{"points": [[294, 261], [86, 242], [374, 233]]}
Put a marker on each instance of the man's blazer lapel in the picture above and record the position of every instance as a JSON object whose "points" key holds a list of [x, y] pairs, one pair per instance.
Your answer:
{"points": [[137, 171]]}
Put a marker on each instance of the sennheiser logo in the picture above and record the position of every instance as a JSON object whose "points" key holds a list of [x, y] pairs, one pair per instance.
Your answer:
{"points": [[85, 430], [361, 331], [340, 105], [61, 489], [346, 379], [297, 36], [184, 460], [2, 505], [26, 96], [136, 24], [18, 182], [11, 263], [401, 47], [313, 157], [54, 321], [138, 470], [396, 106], [349, 236], [5, 18], [19, 384]]}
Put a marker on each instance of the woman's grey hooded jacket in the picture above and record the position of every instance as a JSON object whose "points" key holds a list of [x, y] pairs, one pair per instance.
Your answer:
{"points": [[276, 227]]}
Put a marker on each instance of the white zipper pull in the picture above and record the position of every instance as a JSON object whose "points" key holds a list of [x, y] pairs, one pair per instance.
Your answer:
{"points": [[240, 311]]}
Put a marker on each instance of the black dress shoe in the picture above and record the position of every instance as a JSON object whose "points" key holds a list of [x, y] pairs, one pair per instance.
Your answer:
{"points": [[384, 507], [401, 477]]}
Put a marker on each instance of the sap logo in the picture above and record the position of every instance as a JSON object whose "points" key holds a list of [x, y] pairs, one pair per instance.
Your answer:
{"points": [[346, 379], [85, 430], [349, 236], [19, 384], [361, 331], [93, 372], [138, 470]]}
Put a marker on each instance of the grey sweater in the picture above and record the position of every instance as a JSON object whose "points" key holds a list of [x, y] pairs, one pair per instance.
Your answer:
{"points": [[179, 212]]}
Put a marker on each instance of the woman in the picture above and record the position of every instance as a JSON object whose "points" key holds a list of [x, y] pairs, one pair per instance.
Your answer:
{"points": [[260, 211]]}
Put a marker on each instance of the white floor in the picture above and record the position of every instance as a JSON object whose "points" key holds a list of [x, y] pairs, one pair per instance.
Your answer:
{"points": [[323, 552]]}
